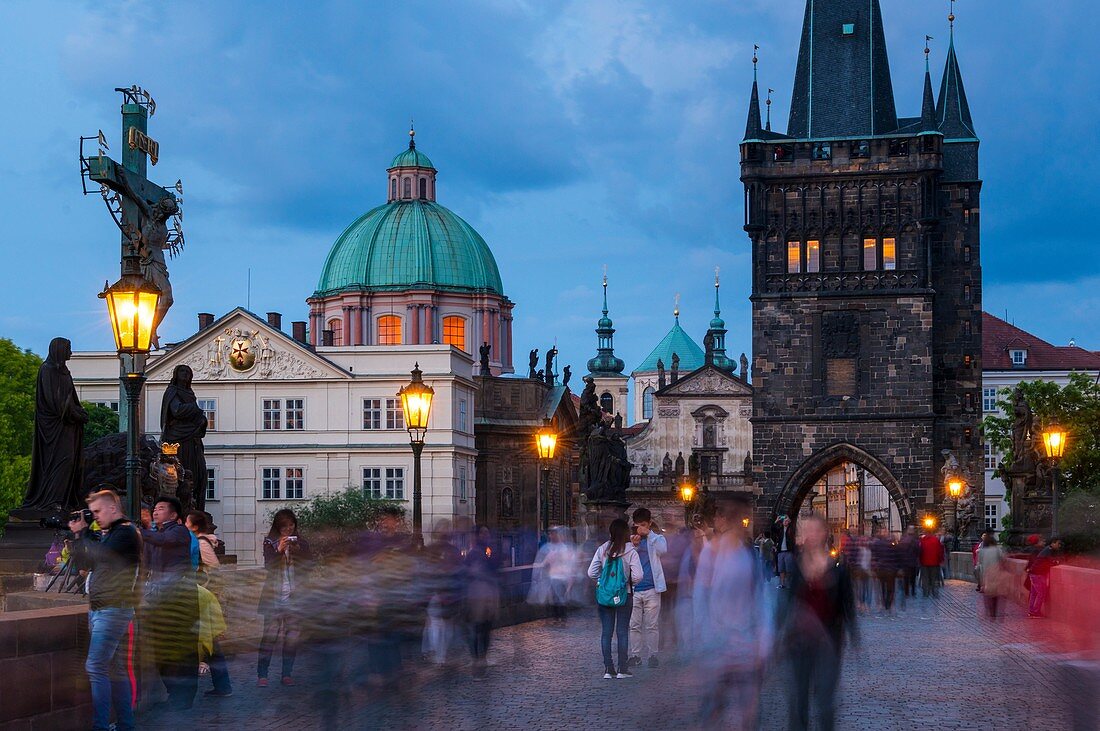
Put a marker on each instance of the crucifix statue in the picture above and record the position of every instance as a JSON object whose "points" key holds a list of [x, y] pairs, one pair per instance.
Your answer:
{"points": [[141, 208]]}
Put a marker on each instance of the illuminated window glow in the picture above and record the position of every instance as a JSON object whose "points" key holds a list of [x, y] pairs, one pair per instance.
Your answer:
{"points": [[454, 331], [813, 256], [889, 255], [794, 257], [870, 255], [389, 330]]}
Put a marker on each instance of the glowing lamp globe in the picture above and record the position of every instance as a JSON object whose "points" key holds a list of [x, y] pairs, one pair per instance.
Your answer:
{"points": [[416, 401], [955, 488], [1054, 441], [929, 522], [687, 492], [546, 441], [132, 307]]}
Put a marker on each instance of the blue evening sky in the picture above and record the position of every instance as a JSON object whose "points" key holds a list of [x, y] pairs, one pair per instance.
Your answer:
{"points": [[571, 134]]}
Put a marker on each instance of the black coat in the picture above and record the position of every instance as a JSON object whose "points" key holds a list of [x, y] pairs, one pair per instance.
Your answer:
{"points": [[57, 450]]}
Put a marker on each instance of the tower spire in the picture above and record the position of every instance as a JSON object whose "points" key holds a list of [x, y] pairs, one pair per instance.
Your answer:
{"points": [[605, 363], [768, 104], [716, 334], [717, 286], [412, 135], [676, 308], [928, 106], [753, 130], [952, 109]]}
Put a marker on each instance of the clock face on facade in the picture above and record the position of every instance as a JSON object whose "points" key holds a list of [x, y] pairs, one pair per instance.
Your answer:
{"points": [[242, 353]]}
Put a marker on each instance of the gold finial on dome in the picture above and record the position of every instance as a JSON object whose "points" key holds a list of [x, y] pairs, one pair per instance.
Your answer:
{"points": [[412, 136], [676, 307], [951, 17]]}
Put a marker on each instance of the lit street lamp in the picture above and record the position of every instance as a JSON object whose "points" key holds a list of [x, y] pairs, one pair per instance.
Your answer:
{"points": [[416, 402], [546, 441], [955, 487], [687, 494], [1054, 443], [132, 306]]}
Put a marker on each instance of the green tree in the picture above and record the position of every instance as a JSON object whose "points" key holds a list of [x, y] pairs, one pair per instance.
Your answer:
{"points": [[18, 373], [332, 522], [102, 422], [1076, 406]]}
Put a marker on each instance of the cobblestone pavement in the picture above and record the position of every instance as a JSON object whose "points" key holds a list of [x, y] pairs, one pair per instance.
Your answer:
{"points": [[934, 664]]}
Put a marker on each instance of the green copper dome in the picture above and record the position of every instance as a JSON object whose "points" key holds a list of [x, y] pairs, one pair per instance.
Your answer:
{"points": [[410, 244], [679, 342], [411, 158]]}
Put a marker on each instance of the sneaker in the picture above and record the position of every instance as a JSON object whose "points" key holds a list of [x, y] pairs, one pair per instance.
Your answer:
{"points": [[261, 682], [654, 662], [634, 662], [625, 676], [218, 693], [287, 680], [608, 675]]}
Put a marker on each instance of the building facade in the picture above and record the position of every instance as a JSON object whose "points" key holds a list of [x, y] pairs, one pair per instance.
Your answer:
{"points": [[1010, 356], [866, 284]]}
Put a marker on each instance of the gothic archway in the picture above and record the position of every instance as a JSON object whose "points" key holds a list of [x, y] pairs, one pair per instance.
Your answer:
{"points": [[813, 467]]}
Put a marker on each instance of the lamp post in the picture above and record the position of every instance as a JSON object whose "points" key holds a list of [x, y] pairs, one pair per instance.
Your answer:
{"points": [[416, 402], [687, 494], [955, 487], [1054, 443], [546, 441], [132, 306]]}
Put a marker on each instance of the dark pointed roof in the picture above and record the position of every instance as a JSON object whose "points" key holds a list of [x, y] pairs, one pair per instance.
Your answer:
{"points": [[842, 84], [952, 109], [752, 127], [928, 108]]}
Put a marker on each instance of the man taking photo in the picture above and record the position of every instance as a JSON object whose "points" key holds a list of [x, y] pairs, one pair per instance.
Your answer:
{"points": [[114, 558]]}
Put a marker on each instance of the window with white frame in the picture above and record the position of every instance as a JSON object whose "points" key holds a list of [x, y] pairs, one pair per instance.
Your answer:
{"points": [[462, 482], [209, 408], [990, 457], [295, 414], [395, 483], [372, 413], [295, 483], [992, 510], [1019, 357], [272, 414], [989, 399], [462, 415], [211, 484], [372, 482], [112, 405], [395, 415], [271, 483]]}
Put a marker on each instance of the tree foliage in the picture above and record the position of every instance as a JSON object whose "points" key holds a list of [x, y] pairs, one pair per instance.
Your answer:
{"points": [[102, 422], [333, 522], [1076, 406], [18, 373]]}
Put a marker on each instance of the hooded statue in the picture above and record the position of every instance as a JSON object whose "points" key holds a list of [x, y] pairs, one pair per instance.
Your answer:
{"points": [[59, 419], [183, 422]]}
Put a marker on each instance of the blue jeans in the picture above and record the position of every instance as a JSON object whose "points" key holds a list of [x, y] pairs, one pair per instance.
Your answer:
{"points": [[108, 673], [615, 620]]}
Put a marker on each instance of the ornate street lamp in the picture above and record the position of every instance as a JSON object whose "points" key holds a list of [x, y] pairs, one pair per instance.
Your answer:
{"points": [[1054, 443], [546, 441], [955, 487], [132, 307], [687, 494], [416, 402]]}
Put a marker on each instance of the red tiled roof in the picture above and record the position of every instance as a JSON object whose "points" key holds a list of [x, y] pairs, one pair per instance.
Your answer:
{"points": [[999, 337]]}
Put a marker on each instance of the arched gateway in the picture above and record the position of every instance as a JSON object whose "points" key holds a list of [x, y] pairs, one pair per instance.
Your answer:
{"points": [[866, 493]]}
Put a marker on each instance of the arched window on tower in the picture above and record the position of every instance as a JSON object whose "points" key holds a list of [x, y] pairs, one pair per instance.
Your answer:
{"points": [[607, 402], [337, 327], [423, 187], [408, 188], [454, 332], [647, 402], [393, 189], [389, 330]]}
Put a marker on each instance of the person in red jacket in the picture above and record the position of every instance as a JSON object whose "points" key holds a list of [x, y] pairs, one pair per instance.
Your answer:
{"points": [[931, 556]]}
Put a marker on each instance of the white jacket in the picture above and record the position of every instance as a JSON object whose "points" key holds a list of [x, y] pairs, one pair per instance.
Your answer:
{"points": [[657, 546], [630, 558]]}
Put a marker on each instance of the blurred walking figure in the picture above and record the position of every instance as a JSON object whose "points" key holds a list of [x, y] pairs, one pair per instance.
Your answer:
{"points": [[287, 560], [482, 597], [695, 540], [172, 603], [817, 618], [931, 556], [909, 553], [766, 547], [734, 622], [211, 614], [114, 557], [554, 574], [645, 614], [616, 568], [444, 579], [991, 561], [856, 555], [1038, 574], [885, 564]]}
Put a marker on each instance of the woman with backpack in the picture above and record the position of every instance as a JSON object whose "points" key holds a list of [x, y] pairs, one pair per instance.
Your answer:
{"points": [[616, 567]]}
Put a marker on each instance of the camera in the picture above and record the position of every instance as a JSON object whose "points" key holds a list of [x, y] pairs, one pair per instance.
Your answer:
{"points": [[292, 539], [61, 521]]}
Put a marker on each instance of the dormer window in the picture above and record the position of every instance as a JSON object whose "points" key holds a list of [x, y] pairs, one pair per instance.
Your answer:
{"points": [[1019, 357]]}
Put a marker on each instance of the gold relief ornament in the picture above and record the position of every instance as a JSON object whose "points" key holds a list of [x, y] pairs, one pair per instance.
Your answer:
{"points": [[170, 450], [243, 347]]}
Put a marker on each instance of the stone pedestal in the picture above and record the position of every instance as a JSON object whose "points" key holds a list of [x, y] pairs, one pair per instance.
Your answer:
{"points": [[596, 518], [24, 544], [1030, 507]]}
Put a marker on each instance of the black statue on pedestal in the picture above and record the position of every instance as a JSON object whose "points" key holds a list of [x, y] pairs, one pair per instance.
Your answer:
{"points": [[566, 374], [183, 422], [550, 356], [533, 363], [484, 351], [660, 374], [57, 450], [605, 468]]}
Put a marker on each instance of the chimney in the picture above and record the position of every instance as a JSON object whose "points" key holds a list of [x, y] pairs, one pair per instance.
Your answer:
{"points": [[205, 320], [275, 320], [327, 337], [298, 329]]}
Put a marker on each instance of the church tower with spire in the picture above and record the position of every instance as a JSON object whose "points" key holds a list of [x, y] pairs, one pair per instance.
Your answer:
{"points": [[606, 369], [866, 282]]}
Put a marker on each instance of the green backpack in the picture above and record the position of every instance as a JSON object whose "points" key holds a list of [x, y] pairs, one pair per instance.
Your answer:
{"points": [[611, 588]]}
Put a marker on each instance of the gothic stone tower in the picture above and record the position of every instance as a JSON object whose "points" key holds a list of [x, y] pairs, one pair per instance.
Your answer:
{"points": [[866, 285]]}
